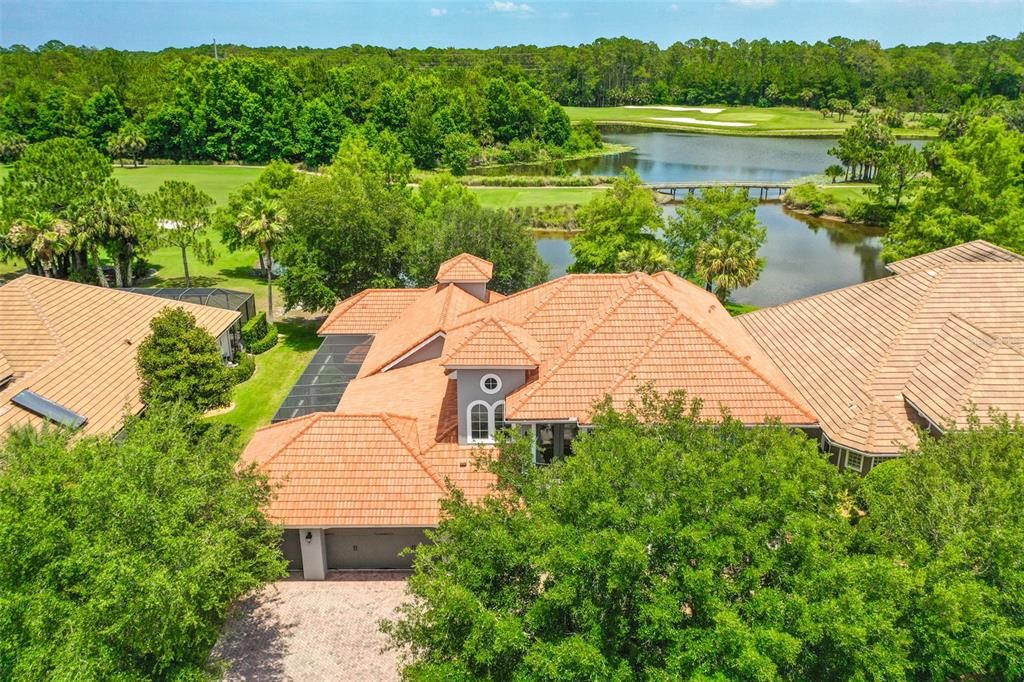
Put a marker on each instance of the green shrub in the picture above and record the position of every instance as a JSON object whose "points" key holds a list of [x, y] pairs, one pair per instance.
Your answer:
{"points": [[264, 344], [245, 368], [534, 180], [254, 330]]}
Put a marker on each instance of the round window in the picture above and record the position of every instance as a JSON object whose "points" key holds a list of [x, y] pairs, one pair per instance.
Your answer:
{"points": [[490, 383]]}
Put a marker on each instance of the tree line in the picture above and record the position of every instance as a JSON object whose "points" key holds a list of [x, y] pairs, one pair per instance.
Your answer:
{"points": [[259, 104], [255, 110]]}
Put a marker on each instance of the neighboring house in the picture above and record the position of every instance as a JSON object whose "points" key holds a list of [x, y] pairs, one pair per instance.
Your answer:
{"points": [[424, 377], [920, 349], [68, 351]]}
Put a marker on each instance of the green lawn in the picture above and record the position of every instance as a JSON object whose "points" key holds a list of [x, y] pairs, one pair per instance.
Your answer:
{"points": [[277, 370], [217, 181], [519, 197], [773, 121]]}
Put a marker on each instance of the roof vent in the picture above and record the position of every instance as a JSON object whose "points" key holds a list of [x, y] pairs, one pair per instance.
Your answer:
{"points": [[58, 414]]}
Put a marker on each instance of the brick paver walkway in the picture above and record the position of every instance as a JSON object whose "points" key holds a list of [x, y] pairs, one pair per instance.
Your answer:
{"points": [[296, 630]]}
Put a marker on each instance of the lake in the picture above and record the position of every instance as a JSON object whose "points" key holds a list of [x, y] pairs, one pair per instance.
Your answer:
{"points": [[804, 255]]}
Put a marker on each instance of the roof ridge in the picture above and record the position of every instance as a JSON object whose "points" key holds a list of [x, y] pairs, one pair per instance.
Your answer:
{"points": [[313, 418], [387, 418], [527, 390], [41, 314], [757, 372], [511, 333], [654, 339], [468, 337]]}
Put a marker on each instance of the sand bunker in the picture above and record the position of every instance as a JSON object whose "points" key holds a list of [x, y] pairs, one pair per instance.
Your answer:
{"points": [[687, 119], [703, 110]]}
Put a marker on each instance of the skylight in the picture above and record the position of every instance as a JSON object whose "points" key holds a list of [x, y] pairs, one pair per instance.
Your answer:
{"points": [[58, 414]]}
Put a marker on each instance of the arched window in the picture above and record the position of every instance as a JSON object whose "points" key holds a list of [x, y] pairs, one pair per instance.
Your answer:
{"points": [[480, 424], [485, 420], [499, 416]]}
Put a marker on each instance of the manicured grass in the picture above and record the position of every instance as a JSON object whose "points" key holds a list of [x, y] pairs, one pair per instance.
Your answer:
{"points": [[519, 197], [845, 194], [773, 121], [277, 370], [217, 181]]}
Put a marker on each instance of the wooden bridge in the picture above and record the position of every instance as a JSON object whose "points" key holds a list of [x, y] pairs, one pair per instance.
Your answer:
{"points": [[764, 188]]}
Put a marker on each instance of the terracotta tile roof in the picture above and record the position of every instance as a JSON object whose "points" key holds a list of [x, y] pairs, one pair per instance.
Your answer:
{"points": [[369, 311], [465, 268], [76, 344], [977, 251], [590, 335], [651, 333], [433, 311], [852, 352], [347, 470], [965, 368], [490, 343]]}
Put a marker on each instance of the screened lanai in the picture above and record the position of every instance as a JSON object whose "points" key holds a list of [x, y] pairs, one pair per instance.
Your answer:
{"points": [[328, 374], [227, 299]]}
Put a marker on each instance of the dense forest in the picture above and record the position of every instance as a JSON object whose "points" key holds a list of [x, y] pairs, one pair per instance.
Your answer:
{"points": [[452, 107]]}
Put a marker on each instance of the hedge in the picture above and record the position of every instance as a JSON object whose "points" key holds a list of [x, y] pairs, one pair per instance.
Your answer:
{"points": [[244, 369], [254, 330], [264, 344]]}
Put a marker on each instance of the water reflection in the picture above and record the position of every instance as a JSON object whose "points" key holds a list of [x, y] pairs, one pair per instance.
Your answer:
{"points": [[804, 255]]}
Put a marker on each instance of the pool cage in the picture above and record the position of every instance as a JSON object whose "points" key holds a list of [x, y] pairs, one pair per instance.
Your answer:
{"points": [[226, 299], [328, 374]]}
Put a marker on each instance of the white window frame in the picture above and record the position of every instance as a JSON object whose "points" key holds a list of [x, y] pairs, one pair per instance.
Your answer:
{"points": [[847, 464], [492, 426], [483, 381]]}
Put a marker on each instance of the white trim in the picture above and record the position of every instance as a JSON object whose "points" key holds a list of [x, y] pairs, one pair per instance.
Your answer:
{"points": [[846, 461], [469, 422], [491, 367], [491, 391], [411, 351]]}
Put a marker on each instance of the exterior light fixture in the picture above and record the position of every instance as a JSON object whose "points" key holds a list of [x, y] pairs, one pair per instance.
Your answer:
{"points": [[309, 536]]}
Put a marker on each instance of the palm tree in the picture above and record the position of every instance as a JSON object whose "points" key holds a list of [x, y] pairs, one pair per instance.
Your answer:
{"points": [[264, 223], [729, 262], [835, 171], [42, 237], [647, 256]]}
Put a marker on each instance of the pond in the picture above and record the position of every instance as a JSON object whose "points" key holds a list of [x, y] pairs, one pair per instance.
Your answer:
{"points": [[804, 255]]}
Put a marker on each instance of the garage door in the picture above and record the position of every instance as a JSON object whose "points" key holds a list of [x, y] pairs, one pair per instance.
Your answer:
{"points": [[291, 549], [370, 548]]}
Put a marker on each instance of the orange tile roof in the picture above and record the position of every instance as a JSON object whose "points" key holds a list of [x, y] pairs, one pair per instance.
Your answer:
{"points": [[977, 251], [465, 268], [674, 337], [369, 311], [490, 343], [853, 352], [433, 311], [76, 344], [589, 335], [347, 470]]}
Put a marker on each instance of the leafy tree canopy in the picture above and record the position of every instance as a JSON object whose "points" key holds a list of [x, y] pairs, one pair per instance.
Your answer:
{"points": [[670, 547], [615, 221], [451, 221], [345, 227], [666, 547], [180, 362], [123, 554], [975, 191]]}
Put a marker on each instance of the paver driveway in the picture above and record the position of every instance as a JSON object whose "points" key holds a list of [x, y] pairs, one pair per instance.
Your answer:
{"points": [[297, 630]]}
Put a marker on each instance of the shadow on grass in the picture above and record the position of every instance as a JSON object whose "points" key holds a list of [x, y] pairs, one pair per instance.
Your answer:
{"points": [[202, 281], [299, 335], [242, 272]]}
